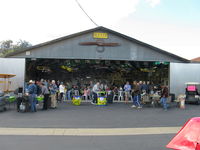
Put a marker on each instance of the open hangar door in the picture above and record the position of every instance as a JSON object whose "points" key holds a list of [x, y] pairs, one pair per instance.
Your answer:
{"points": [[112, 72]]}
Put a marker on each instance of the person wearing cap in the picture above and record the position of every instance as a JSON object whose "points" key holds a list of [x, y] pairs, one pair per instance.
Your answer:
{"points": [[53, 90], [32, 91]]}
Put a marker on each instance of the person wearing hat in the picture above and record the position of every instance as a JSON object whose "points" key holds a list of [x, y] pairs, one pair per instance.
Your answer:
{"points": [[32, 91], [53, 90]]}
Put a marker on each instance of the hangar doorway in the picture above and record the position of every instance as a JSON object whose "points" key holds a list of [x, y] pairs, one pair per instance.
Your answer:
{"points": [[112, 72]]}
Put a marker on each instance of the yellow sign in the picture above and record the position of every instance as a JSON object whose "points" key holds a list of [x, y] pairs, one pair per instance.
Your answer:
{"points": [[99, 35], [147, 70], [67, 68]]}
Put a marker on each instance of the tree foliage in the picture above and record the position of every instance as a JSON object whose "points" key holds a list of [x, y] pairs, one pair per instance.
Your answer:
{"points": [[9, 46]]}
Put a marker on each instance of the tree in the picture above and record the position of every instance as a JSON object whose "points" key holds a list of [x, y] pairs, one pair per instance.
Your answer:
{"points": [[5, 45], [21, 44], [8, 46]]}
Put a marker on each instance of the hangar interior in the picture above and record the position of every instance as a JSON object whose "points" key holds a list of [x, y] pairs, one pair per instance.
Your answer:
{"points": [[113, 72]]}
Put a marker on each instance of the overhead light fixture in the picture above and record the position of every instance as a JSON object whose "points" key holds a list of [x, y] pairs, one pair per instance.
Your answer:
{"points": [[97, 61], [87, 61], [77, 61], [33, 59]]}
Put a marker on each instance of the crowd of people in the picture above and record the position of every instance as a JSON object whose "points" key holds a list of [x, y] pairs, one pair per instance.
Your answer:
{"points": [[137, 89], [54, 92]]}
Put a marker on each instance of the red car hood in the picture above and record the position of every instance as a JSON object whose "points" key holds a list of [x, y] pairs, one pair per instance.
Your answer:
{"points": [[188, 138]]}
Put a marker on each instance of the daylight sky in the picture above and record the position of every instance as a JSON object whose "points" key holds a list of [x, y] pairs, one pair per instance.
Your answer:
{"points": [[172, 25]]}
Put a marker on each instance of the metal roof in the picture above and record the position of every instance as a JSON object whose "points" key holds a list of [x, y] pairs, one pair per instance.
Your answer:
{"points": [[95, 29], [195, 59]]}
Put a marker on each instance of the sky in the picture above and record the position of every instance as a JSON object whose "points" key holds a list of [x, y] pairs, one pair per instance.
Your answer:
{"points": [[172, 25]]}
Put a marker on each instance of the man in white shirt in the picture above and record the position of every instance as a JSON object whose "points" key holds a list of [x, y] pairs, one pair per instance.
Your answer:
{"points": [[61, 91], [95, 90]]}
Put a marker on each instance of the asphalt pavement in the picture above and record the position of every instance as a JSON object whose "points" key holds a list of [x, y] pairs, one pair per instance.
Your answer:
{"points": [[108, 118], [117, 115], [145, 142]]}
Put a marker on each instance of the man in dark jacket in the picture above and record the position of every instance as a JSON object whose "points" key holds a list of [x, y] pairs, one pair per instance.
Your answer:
{"points": [[45, 92], [136, 95], [39, 89]]}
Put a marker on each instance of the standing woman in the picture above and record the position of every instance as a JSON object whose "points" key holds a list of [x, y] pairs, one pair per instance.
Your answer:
{"points": [[164, 96], [45, 92]]}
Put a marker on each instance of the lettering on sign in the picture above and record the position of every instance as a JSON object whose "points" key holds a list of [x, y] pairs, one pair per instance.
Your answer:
{"points": [[99, 35]]}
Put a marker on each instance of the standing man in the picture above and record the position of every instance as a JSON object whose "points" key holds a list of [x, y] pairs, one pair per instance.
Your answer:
{"points": [[148, 87], [91, 85], [140, 86], [45, 92], [69, 88], [53, 90], [144, 87], [32, 91], [164, 96], [61, 91], [136, 96], [38, 85], [127, 89], [95, 90]]}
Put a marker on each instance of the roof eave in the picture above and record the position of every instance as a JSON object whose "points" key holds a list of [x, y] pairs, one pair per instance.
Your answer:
{"points": [[94, 29]]}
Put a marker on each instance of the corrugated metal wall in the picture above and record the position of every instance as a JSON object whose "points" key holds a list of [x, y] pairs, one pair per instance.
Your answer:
{"points": [[13, 66], [180, 73], [71, 49]]}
